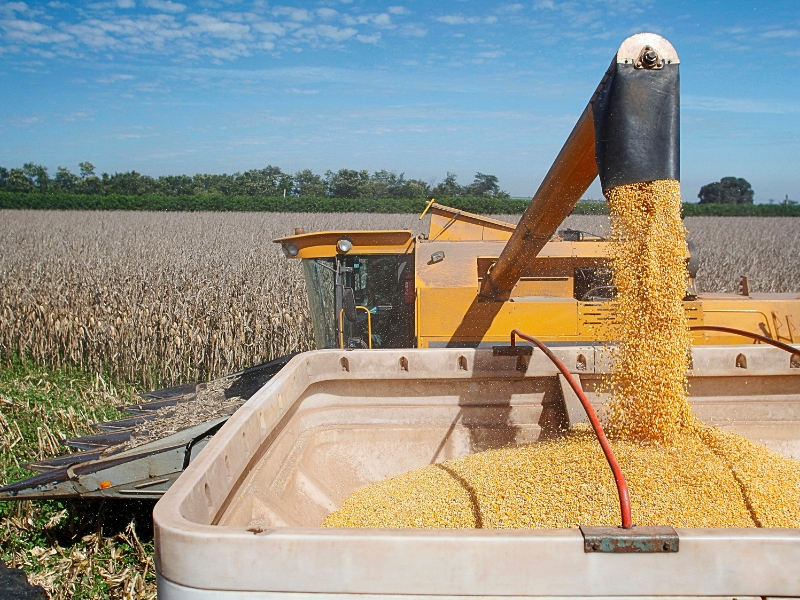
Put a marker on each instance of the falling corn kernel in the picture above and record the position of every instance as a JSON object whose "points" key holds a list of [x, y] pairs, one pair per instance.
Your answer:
{"points": [[648, 258]]}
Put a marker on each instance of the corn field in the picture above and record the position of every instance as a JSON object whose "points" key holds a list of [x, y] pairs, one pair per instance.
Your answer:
{"points": [[160, 298], [151, 298]]}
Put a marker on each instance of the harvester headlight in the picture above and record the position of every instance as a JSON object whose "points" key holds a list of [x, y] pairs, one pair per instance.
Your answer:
{"points": [[344, 245], [291, 250]]}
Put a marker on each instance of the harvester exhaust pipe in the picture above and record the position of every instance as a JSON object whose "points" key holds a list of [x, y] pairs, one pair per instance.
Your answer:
{"points": [[629, 132]]}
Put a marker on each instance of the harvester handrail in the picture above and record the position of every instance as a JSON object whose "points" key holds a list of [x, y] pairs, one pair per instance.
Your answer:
{"points": [[369, 326], [619, 476], [748, 334]]}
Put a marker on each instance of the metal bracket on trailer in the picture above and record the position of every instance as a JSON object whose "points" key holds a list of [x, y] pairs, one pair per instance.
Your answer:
{"points": [[636, 539], [523, 354]]}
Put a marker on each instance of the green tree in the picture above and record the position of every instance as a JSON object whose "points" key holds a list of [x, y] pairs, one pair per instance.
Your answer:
{"points": [[130, 183], [449, 188], [309, 184], [728, 190], [37, 174], [65, 179], [260, 182], [285, 184], [174, 185], [19, 182], [409, 188], [347, 183], [87, 169], [204, 183], [486, 186], [381, 184]]}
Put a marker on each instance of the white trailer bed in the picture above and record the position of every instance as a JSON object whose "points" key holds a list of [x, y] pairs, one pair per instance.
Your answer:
{"points": [[243, 520]]}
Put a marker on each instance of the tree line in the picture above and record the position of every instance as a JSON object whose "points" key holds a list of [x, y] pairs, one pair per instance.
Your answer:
{"points": [[733, 190], [268, 182]]}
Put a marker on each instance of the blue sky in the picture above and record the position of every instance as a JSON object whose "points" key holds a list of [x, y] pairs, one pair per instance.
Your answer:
{"points": [[167, 87]]}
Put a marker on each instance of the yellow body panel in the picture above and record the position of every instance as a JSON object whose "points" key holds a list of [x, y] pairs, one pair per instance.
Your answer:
{"points": [[323, 244], [773, 315], [448, 317], [452, 225]]}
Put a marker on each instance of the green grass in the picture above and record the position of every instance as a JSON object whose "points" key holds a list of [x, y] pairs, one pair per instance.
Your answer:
{"points": [[73, 549]]}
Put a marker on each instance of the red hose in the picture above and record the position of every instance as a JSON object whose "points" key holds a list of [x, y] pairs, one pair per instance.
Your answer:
{"points": [[752, 336], [619, 477]]}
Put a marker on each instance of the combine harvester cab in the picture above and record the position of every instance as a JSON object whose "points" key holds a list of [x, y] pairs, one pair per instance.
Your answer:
{"points": [[244, 519]]}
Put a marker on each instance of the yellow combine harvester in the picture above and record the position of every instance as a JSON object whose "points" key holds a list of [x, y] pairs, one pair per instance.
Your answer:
{"points": [[388, 289], [472, 279]]}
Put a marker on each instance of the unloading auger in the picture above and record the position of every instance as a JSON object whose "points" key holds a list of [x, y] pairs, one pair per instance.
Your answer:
{"points": [[629, 132]]}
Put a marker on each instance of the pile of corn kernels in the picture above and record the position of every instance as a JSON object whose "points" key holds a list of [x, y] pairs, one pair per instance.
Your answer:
{"points": [[679, 471]]}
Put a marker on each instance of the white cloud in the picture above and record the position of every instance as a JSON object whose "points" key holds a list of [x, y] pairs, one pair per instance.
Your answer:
{"points": [[151, 32], [114, 77], [413, 30], [31, 32], [228, 52], [12, 7], [492, 54], [511, 8], [462, 20], [326, 13], [334, 33], [218, 28], [268, 28], [781, 33], [295, 14], [91, 34], [47, 53], [169, 28], [369, 39], [454, 20], [382, 20], [739, 105], [166, 6], [299, 91], [25, 121], [78, 116]]}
